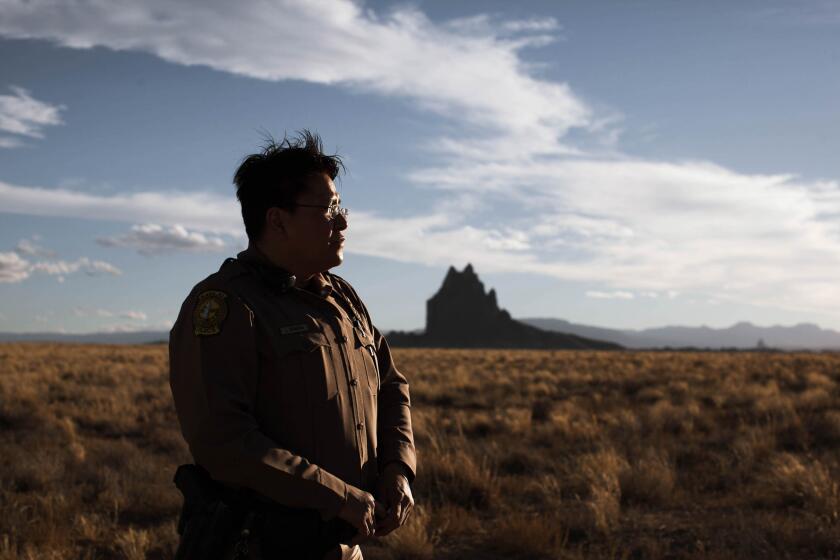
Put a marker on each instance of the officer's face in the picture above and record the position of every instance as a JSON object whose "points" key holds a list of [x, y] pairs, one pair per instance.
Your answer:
{"points": [[316, 241]]}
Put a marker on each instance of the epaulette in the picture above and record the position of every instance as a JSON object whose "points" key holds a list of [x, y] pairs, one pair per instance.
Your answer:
{"points": [[231, 267]]}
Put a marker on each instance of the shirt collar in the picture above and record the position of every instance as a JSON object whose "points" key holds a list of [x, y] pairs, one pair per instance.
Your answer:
{"points": [[277, 277], [281, 278]]}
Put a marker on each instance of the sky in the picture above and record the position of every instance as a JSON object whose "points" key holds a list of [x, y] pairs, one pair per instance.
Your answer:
{"points": [[621, 164]]}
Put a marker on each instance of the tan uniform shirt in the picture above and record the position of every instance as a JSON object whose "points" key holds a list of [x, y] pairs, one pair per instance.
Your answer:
{"points": [[288, 391]]}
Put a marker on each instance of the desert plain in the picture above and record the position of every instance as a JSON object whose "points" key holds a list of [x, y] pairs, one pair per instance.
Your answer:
{"points": [[521, 454]]}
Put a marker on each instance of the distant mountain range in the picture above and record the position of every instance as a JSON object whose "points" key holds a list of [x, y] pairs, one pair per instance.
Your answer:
{"points": [[462, 314], [804, 336], [138, 337]]}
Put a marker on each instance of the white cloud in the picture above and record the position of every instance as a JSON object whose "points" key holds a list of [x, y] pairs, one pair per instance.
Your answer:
{"points": [[62, 268], [28, 247], [21, 114], [14, 268], [655, 226], [136, 327], [469, 69], [207, 212], [134, 315], [609, 295], [153, 239], [438, 239], [107, 313], [532, 24]]}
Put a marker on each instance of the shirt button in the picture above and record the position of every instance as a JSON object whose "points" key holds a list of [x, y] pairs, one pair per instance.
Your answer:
{"points": [[354, 382], [342, 339], [360, 425]]}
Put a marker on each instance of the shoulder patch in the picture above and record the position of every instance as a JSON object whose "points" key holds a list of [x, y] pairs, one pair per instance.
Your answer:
{"points": [[209, 313]]}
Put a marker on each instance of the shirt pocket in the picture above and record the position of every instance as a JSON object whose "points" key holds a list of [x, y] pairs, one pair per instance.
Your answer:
{"points": [[366, 354], [305, 361]]}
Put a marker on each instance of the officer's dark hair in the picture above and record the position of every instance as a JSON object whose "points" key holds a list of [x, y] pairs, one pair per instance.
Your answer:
{"points": [[275, 176]]}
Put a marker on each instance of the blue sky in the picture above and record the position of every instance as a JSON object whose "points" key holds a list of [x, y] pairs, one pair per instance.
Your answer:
{"points": [[625, 164]]}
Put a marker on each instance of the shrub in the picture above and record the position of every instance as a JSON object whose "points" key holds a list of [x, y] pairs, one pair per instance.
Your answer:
{"points": [[792, 481], [651, 479]]}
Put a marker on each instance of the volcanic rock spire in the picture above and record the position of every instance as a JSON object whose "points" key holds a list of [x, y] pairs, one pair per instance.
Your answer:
{"points": [[463, 315]]}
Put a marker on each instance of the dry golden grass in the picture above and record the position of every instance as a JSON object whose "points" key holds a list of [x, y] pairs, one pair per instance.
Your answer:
{"points": [[522, 454], [89, 437]]}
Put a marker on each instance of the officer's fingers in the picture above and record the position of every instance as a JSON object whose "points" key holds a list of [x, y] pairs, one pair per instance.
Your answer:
{"points": [[370, 521], [388, 522], [407, 507], [362, 519], [368, 514], [356, 509], [407, 500], [369, 501], [397, 512]]}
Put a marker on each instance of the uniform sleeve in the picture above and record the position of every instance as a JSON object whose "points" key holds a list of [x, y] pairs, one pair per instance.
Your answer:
{"points": [[394, 432], [214, 382]]}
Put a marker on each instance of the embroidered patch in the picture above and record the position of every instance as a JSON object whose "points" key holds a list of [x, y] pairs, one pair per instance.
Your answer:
{"points": [[292, 329], [209, 313]]}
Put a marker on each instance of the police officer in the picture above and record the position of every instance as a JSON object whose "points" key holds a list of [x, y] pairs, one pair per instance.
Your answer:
{"points": [[284, 389]]}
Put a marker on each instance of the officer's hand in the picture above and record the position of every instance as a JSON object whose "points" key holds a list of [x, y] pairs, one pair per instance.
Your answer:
{"points": [[359, 511], [394, 490]]}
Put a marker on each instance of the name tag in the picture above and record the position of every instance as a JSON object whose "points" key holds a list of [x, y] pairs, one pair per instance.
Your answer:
{"points": [[292, 329]]}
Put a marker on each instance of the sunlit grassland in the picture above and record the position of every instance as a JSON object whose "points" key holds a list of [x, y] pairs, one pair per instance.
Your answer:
{"points": [[522, 454]]}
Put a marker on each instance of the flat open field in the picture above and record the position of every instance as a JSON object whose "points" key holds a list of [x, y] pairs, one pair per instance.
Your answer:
{"points": [[522, 454]]}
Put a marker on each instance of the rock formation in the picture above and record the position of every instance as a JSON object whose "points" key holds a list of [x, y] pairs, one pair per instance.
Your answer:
{"points": [[463, 315]]}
